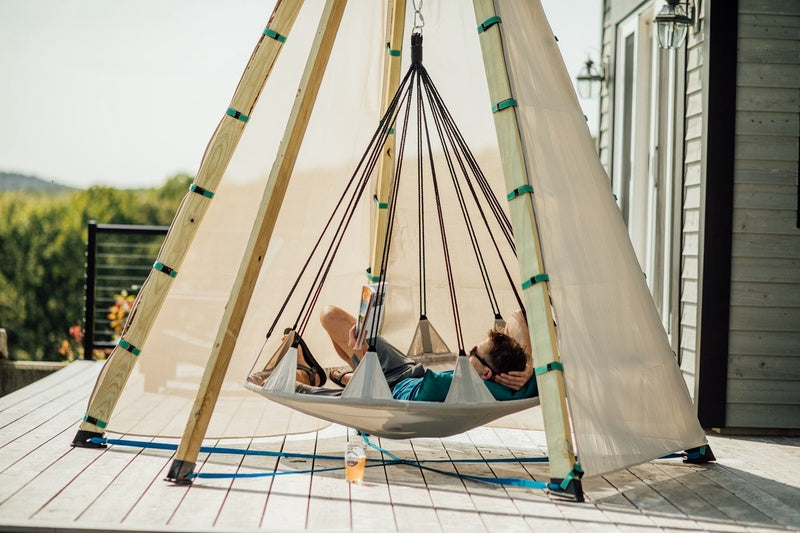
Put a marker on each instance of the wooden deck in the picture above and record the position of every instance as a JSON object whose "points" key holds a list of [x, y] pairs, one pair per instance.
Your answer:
{"points": [[45, 485]]}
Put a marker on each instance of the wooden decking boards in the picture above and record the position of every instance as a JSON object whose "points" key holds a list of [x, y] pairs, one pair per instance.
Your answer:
{"points": [[45, 485]]}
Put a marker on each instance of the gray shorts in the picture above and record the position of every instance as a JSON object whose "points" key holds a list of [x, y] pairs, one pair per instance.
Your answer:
{"points": [[395, 365]]}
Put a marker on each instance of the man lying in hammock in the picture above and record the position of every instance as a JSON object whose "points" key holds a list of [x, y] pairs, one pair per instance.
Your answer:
{"points": [[502, 359]]}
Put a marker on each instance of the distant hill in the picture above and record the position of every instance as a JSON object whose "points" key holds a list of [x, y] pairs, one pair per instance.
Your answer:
{"points": [[10, 181]]}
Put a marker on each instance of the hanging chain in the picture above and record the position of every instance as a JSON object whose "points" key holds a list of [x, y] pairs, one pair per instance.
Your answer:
{"points": [[419, 20]]}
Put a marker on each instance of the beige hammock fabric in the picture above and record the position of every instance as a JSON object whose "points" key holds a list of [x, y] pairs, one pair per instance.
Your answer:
{"points": [[627, 399]]}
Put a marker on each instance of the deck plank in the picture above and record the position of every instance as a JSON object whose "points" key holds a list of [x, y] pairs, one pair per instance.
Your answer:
{"points": [[243, 507], [287, 504], [329, 506]]}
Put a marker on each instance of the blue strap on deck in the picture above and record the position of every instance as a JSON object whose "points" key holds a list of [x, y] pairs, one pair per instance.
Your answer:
{"points": [[525, 483]]}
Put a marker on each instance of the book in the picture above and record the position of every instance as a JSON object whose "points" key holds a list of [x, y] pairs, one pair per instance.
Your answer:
{"points": [[373, 296]]}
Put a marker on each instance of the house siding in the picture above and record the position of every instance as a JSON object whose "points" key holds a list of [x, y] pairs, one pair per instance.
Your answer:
{"points": [[763, 389], [691, 207]]}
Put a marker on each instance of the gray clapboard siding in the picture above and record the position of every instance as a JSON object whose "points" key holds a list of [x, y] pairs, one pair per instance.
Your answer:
{"points": [[764, 367], [767, 123], [766, 246], [767, 75], [761, 415], [765, 196], [757, 171], [769, 7], [768, 51], [775, 99], [764, 391], [783, 272], [779, 343], [764, 294], [763, 221], [759, 25], [752, 318]]}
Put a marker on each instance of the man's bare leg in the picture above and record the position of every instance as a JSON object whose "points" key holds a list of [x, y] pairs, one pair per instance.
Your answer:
{"points": [[338, 323]]}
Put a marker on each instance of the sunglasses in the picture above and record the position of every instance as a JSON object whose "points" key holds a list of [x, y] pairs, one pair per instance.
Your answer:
{"points": [[474, 353]]}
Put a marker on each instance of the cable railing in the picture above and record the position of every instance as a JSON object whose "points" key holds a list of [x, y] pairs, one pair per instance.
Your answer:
{"points": [[119, 258]]}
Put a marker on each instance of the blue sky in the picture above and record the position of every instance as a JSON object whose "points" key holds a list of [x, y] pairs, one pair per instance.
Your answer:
{"points": [[91, 90]]}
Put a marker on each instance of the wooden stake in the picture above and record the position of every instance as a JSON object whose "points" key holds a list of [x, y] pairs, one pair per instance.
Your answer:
{"points": [[537, 299], [247, 276], [221, 147], [395, 22]]}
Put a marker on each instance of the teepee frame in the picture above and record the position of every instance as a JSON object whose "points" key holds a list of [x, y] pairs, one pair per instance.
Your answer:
{"points": [[216, 158]]}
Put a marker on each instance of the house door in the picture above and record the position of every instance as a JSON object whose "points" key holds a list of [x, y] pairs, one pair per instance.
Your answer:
{"points": [[643, 149]]}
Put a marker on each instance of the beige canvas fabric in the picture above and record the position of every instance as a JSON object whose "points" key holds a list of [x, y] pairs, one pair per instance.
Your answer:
{"points": [[627, 400]]}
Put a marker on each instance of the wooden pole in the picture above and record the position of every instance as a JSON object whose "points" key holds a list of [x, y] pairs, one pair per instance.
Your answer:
{"points": [[395, 22], [536, 297], [153, 293], [247, 276]]}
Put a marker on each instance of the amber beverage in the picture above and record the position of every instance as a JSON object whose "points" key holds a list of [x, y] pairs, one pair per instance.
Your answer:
{"points": [[355, 460]]}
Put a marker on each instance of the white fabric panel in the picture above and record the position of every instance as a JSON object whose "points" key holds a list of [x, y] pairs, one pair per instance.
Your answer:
{"points": [[628, 402], [368, 381], [467, 387]]}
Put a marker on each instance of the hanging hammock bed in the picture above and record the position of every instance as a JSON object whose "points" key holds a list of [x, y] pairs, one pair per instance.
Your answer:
{"points": [[366, 403]]}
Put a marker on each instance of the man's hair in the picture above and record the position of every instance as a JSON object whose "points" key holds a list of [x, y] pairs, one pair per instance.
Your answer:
{"points": [[506, 354]]}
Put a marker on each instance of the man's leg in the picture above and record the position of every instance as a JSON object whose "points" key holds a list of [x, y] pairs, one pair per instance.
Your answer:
{"points": [[337, 323]]}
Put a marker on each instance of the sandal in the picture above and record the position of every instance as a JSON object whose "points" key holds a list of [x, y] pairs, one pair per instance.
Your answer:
{"points": [[336, 375], [315, 369]]}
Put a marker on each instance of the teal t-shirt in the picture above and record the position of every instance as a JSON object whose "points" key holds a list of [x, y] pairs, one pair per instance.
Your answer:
{"points": [[433, 387]]}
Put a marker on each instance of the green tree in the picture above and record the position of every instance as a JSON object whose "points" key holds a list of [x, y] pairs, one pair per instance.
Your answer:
{"points": [[43, 244]]}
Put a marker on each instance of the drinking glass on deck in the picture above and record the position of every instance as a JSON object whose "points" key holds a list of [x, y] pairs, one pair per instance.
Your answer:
{"points": [[355, 460]]}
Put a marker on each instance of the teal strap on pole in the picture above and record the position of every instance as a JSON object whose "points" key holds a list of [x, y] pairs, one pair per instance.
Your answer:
{"points": [[373, 279], [96, 422], [534, 280], [125, 345], [161, 267], [237, 115], [488, 23], [393, 53], [201, 191], [553, 365], [380, 204], [275, 35], [577, 473], [519, 191], [508, 102]]}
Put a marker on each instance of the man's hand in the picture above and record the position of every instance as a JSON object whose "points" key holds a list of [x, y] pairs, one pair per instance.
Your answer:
{"points": [[516, 379], [352, 340]]}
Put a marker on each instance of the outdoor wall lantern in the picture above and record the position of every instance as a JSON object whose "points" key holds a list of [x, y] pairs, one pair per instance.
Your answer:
{"points": [[589, 79], [673, 21]]}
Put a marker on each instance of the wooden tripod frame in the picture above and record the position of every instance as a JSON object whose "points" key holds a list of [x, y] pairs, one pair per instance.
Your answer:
{"points": [[216, 158]]}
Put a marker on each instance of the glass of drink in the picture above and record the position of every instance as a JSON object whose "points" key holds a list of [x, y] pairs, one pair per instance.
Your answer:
{"points": [[355, 459]]}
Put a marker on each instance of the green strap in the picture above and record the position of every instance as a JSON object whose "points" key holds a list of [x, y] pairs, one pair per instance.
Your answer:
{"points": [[161, 267], [237, 115], [553, 365], [96, 422], [488, 23], [577, 473], [380, 204], [519, 191], [371, 277], [125, 345], [534, 280], [201, 191], [275, 35], [509, 102], [393, 53]]}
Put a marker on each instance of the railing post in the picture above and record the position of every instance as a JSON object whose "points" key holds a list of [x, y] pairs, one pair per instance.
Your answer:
{"points": [[89, 285]]}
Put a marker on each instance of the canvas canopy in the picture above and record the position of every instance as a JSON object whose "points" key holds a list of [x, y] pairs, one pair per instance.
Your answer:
{"points": [[628, 402]]}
